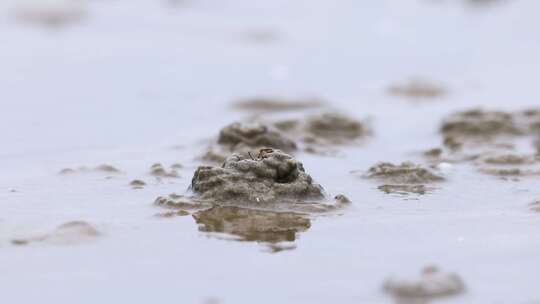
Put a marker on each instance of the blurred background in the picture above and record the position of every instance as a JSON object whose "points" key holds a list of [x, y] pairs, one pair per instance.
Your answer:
{"points": [[74, 70]]}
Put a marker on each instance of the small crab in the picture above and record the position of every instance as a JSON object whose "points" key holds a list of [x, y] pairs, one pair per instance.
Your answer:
{"points": [[263, 153]]}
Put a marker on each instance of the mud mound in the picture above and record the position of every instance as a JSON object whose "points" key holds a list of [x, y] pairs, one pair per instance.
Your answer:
{"points": [[479, 126], [329, 128], [478, 123], [253, 135], [137, 184], [335, 127], [158, 170], [273, 176]]}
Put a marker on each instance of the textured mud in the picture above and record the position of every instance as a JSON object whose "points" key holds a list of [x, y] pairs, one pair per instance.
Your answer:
{"points": [[66, 234], [430, 285], [404, 178], [274, 176]]}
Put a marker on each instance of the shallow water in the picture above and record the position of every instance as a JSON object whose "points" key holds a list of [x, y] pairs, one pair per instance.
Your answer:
{"points": [[135, 83]]}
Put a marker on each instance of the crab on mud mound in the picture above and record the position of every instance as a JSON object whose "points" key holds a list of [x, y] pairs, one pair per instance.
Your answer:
{"points": [[273, 176]]}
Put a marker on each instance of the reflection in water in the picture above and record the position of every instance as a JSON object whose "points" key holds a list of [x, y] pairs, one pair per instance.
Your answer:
{"points": [[251, 225]]}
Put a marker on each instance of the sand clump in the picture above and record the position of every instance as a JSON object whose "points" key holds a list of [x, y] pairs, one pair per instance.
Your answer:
{"points": [[510, 159], [477, 126], [265, 104], [512, 174], [535, 206], [244, 137], [430, 285], [137, 184], [418, 89], [405, 189], [404, 178], [434, 153], [53, 14], [158, 170], [325, 129], [253, 135], [509, 165], [405, 173], [493, 140], [487, 127], [104, 168], [334, 128], [66, 234]]}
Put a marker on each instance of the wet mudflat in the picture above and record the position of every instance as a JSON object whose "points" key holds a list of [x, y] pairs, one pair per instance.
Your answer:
{"points": [[129, 104]]}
